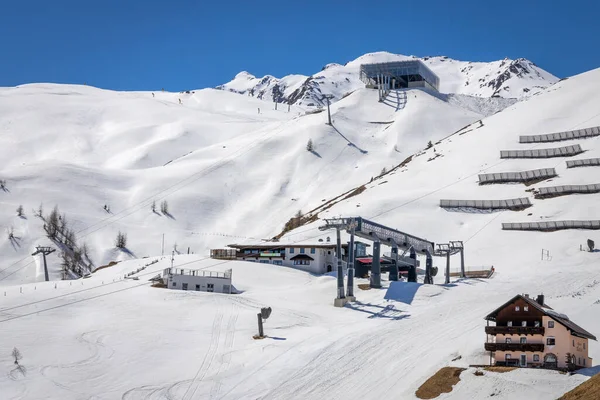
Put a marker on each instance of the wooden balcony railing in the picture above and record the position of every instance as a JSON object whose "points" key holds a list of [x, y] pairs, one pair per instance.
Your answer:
{"points": [[514, 346], [515, 330]]}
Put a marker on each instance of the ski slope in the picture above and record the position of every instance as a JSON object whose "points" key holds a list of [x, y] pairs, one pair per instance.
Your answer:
{"points": [[214, 158], [107, 337]]}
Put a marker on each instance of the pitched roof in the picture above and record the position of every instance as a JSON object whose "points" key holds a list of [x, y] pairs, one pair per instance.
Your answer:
{"points": [[547, 310]]}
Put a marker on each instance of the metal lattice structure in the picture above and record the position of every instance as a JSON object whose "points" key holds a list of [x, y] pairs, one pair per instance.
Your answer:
{"points": [[555, 191], [519, 177], [587, 162], [549, 226], [400, 73], [509, 204], [566, 151], [559, 136]]}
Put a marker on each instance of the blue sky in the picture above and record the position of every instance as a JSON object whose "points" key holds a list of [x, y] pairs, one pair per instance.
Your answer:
{"points": [[176, 45]]}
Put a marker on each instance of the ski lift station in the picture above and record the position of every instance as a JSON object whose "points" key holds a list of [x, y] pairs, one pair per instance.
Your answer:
{"points": [[398, 75]]}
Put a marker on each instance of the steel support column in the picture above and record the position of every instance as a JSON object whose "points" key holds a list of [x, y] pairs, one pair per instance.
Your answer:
{"points": [[340, 269], [394, 268], [447, 267], [350, 288], [376, 265], [428, 268], [412, 272], [462, 263]]}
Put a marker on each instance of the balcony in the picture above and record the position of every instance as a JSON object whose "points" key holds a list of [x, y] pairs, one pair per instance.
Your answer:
{"points": [[515, 330], [514, 347]]}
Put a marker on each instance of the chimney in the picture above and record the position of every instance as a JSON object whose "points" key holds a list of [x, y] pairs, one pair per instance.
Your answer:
{"points": [[526, 295], [540, 300], [328, 239]]}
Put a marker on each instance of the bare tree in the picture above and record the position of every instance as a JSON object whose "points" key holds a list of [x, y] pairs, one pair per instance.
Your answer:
{"points": [[164, 207], [121, 240], [3, 184], [153, 206], [20, 211], [53, 223], [40, 211], [16, 354], [11, 233]]}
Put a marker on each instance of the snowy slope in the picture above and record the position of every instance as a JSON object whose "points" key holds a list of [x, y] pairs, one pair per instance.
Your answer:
{"points": [[214, 158], [504, 78], [119, 338]]}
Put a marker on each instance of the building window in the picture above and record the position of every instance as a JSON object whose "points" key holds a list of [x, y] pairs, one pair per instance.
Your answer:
{"points": [[509, 323], [536, 324], [523, 340], [525, 308], [573, 342], [507, 340], [550, 324], [277, 262], [301, 250], [517, 308], [291, 250], [197, 287], [550, 341], [328, 251], [523, 323], [579, 361], [264, 261], [301, 262], [210, 287], [174, 284], [184, 286], [584, 345], [507, 357], [536, 358], [313, 250], [584, 361]]}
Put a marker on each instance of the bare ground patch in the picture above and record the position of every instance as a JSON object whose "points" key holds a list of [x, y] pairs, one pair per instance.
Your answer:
{"points": [[442, 382]]}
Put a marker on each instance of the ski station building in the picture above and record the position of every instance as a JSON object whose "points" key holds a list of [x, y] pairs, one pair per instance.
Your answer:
{"points": [[399, 75], [529, 333], [317, 258]]}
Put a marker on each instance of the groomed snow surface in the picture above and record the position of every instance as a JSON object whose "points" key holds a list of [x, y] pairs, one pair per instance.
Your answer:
{"points": [[106, 337]]}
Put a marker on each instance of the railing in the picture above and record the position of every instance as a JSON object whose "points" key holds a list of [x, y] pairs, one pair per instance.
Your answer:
{"points": [[515, 330], [510, 204], [555, 191], [514, 346], [587, 162], [198, 272]]}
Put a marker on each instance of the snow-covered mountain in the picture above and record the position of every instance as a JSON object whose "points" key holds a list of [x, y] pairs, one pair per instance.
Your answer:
{"points": [[229, 174], [504, 78]]}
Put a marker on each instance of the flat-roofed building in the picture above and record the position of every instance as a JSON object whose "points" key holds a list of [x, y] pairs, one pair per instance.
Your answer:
{"points": [[398, 75]]}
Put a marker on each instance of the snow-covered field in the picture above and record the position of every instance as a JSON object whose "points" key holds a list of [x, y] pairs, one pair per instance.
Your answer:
{"points": [[230, 174]]}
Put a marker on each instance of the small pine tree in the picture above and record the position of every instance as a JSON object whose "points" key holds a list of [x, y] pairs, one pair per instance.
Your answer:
{"points": [[40, 211], [20, 211], [383, 171], [164, 207], [121, 240], [11, 233], [429, 145], [310, 146]]}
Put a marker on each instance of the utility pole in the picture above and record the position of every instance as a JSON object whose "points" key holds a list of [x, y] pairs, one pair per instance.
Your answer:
{"points": [[45, 251], [328, 97], [163, 245]]}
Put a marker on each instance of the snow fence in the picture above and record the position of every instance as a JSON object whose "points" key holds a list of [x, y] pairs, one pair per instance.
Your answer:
{"points": [[567, 135], [549, 226], [523, 176], [566, 151], [510, 204], [588, 162], [554, 191]]}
